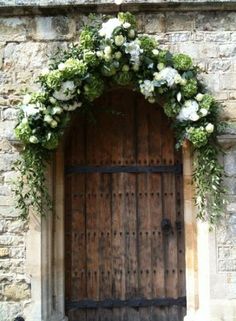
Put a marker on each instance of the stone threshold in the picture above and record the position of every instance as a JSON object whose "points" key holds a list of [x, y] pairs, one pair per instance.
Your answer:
{"points": [[18, 8]]}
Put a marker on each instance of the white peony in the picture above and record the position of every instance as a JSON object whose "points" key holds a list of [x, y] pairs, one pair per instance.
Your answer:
{"points": [[66, 92], [147, 88], [209, 128], [30, 110], [108, 27], [189, 111], [133, 48], [168, 74]]}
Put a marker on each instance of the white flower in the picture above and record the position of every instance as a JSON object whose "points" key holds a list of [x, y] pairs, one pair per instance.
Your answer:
{"points": [[73, 106], [131, 33], [133, 48], [203, 112], [53, 124], [66, 92], [52, 100], [188, 111], [108, 27], [183, 82], [136, 67], [48, 119], [45, 71], [27, 99], [199, 97], [119, 2], [61, 66], [178, 79], [99, 53], [179, 96], [57, 110], [33, 139], [157, 76], [24, 121], [30, 110], [125, 68], [209, 128], [119, 40], [168, 74], [126, 25], [155, 52], [151, 100], [107, 50], [147, 88], [160, 66], [117, 55], [194, 117]]}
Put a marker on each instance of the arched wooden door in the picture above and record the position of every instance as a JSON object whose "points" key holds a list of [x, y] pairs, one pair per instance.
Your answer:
{"points": [[124, 237]]}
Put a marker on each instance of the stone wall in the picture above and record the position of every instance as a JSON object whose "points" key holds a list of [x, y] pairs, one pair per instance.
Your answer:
{"points": [[26, 40]]}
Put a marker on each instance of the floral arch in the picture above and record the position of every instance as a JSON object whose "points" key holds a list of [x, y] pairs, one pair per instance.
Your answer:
{"points": [[114, 54]]}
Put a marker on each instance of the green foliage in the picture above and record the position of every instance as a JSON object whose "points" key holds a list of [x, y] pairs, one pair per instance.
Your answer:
{"points": [[114, 53]]}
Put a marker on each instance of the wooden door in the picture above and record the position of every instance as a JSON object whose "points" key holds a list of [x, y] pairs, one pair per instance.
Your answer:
{"points": [[124, 237]]}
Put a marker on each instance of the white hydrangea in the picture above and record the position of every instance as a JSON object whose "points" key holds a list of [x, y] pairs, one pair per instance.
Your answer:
{"points": [[147, 88], [108, 27], [66, 92], [30, 110], [168, 74], [133, 48], [189, 111]]}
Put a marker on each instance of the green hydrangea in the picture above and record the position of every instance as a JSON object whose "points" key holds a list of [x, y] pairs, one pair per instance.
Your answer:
{"points": [[123, 78], [108, 70], [52, 141], [198, 136], [93, 88], [206, 101], [171, 108], [182, 62], [147, 44], [87, 39], [53, 79], [127, 17], [190, 89], [90, 58], [23, 130], [74, 67]]}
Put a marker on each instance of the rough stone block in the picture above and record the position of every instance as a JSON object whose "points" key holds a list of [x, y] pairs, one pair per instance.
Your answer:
{"points": [[17, 292], [229, 111], [179, 22], [154, 23], [215, 21], [14, 28], [9, 310], [177, 37], [217, 36], [215, 65], [4, 252], [230, 163], [54, 28], [228, 81], [228, 50], [8, 239]]}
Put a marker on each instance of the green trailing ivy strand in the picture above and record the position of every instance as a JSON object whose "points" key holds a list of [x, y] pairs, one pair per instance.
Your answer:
{"points": [[110, 54]]}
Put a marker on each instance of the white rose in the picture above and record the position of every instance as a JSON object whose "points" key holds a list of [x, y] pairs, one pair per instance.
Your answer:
{"points": [[33, 139], [177, 79], [125, 68], [99, 53], [27, 99], [155, 52], [209, 128], [126, 25], [107, 50], [61, 66], [119, 40], [131, 33], [117, 55], [160, 66], [199, 97], [157, 76], [57, 110], [48, 119], [53, 124], [52, 100], [183, 82], [194, 117], [203, 111]]}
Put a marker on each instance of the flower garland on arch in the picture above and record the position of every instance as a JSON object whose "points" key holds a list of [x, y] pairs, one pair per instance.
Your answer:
{"points": [[112, 53]]}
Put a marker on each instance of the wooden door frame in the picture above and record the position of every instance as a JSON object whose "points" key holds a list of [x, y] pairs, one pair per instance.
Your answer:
{"points": [[47, 264]]}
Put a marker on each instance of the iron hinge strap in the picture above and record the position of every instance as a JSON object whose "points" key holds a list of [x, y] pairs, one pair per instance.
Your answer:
{"points": [[133, 303], [177, 169]]}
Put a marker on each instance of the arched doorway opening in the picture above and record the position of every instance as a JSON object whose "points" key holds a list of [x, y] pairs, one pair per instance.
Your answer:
{"points": [[124, 222]]}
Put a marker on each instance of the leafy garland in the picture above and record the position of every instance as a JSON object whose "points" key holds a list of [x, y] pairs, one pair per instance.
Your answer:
{"points": [[114, 54]]}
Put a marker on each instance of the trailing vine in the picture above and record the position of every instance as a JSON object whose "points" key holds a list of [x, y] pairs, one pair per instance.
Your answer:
{"points": [[112, 53]]}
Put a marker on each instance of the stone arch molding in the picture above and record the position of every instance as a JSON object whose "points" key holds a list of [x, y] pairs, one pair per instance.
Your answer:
{"points": [[113, 53]]}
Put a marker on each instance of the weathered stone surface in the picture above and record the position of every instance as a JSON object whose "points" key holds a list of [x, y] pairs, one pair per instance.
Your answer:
{"points": [[154, 23], [213, 21], [11, 310], [54, 28], [179, 22], [230, 163], [228, 81], [17, 292], [4, 252], [14, 28]]}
